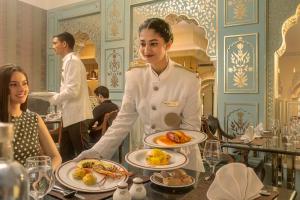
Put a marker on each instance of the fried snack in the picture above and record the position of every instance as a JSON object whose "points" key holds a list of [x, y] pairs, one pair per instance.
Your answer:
{"points": [[176, 177], [87, 163], [89, 179], [79, 173], [178, 137], [157, 157]]}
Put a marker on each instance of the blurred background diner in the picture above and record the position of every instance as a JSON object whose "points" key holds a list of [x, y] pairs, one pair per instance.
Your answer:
{"points": [[246, 53]]}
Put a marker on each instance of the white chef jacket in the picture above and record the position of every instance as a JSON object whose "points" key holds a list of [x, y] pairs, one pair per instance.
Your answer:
{"points": [[73, 95], [175, 90]]}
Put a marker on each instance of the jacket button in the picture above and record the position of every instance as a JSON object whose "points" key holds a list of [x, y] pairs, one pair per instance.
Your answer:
{"points": [[155, 88], [153, 126], [153, 107]]}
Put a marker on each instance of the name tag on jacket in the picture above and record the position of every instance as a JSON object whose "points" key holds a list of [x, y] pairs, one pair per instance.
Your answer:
{"points": [[171, 103]]}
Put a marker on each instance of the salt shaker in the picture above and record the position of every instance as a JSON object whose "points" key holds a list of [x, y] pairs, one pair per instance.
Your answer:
{"points": [[137, 190], [122, 192]]}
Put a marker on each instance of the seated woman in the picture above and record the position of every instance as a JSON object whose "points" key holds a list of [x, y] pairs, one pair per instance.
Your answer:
{"points": [[31, 136]]}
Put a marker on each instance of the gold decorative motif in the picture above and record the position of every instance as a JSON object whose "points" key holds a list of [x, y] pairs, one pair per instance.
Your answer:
{"points": [[240, 60], [201, 11], [114, 19], [114, 69], [239, 8], [239, 126]]}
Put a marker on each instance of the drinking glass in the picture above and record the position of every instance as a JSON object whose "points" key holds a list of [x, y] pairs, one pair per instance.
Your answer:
{"points": [[212, 153], [41, 176], [275, 126]]}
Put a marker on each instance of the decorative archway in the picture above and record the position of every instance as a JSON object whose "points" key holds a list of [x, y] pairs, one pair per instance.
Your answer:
{"points": [[273, 93]]}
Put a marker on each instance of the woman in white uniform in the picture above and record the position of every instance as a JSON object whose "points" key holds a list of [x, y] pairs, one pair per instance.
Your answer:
{"points": [[151, 92]]}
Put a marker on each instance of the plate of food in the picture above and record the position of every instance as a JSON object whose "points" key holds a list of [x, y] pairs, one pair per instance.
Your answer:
{"points": [[176, 178], [174, 138], [156, 159], [91, 175], [42, 94]]}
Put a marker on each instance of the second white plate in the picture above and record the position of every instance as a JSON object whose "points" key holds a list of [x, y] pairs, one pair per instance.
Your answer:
{"points": [[138, 159], [153, 180], [197, 137]]}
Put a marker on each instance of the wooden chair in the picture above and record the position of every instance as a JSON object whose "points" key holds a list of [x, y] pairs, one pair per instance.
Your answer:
{"points": [[254, 162], [107, 122]]}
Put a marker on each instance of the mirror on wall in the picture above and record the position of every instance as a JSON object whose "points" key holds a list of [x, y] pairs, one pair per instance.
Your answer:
{"points": [[287, 93]]}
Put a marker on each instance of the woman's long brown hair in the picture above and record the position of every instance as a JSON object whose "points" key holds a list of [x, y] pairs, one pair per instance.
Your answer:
{"points": [[6, 72]]}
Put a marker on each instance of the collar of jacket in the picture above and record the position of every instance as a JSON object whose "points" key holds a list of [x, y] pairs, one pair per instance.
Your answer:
{"points": [[165, 73]]}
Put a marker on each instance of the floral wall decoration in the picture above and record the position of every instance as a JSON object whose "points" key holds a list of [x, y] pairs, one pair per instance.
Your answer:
{"points": [[241, 64], [240, 12], [114, 20], [239, 116], [114, 70]]}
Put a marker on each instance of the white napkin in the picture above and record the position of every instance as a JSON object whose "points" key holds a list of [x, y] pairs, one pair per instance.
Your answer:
{"points": [[235, 181], [251, 133]]}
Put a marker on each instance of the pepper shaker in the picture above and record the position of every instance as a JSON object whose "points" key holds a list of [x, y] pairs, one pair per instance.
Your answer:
{"points": [[137, 190], [122, 192]]}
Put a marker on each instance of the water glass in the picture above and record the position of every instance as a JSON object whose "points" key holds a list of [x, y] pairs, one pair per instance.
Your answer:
{"points": [[212, 153], [41, 176]]}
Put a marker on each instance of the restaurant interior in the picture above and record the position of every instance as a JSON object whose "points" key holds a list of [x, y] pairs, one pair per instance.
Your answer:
{"points": [[245, 53]]}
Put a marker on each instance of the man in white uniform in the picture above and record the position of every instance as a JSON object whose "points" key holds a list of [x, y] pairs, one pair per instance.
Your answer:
{"points": [[152, 91], [73, 97]]}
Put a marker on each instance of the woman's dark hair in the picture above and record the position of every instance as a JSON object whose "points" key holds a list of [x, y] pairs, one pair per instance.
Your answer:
{"points": [[6, 72], [160, 26], [66, 37]]}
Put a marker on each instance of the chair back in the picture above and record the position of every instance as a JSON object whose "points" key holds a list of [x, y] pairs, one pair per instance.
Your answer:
{"points": [[214, 127], [108, 119], [38, 105]]}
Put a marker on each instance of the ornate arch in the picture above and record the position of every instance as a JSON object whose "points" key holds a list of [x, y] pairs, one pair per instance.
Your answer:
{"points": [[84, 29], [203, 12], [273, 91]]}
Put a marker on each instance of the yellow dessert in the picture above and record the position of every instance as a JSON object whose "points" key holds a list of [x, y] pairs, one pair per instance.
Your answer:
{"points": [[157, 157]]}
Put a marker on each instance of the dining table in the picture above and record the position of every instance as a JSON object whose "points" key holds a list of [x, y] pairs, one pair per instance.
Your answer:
{"points": [[157, 192], [280, 152]]}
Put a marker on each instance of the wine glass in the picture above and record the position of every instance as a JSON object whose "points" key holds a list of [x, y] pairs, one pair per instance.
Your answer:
{"points": [[41, 176], [212, 154], [275, 126]]}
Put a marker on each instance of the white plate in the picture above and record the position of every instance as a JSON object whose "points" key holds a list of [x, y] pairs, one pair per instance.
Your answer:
{"points": [[197, 137], [64, 176], [42, 94], [153, 180], [138, 159]]}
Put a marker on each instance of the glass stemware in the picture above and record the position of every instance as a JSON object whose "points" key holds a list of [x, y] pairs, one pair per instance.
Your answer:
{"points": [[212, 154], [275, 126], [41, 176]]}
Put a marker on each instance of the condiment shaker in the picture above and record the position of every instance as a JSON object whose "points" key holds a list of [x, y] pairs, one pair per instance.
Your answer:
{"points": [[122, 192], [137, 190]]}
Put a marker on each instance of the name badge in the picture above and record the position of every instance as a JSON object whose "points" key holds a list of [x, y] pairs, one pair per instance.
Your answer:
{"points": [[171, 103]]}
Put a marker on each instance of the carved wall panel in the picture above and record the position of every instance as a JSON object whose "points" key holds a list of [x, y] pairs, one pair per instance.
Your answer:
{"points": [[241, 64], [114, 69], [114, 29], [238, 116], [240, 12]]}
